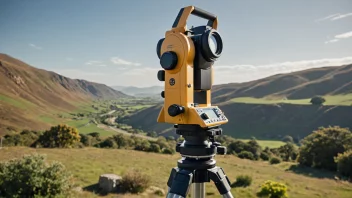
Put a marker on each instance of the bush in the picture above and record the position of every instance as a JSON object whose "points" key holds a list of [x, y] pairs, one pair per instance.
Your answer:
{"points": [[134, 182], [287, 138], [242, 181], [288, 152], [317, 100], [273, 189], [168, 151], [275, 160], [319, 149], [30, 176], [109, 143], [246, 155], [264, 156], [61, 136], [154, 148], [344, 164]]}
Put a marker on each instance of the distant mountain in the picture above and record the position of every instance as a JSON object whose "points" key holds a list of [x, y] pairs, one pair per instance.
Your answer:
{"points": [[27, 93], [272, 121], [296, 85], [140, 91]]}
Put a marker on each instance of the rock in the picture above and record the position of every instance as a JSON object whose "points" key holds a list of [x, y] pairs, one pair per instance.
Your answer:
{"points": [[109, 182]]}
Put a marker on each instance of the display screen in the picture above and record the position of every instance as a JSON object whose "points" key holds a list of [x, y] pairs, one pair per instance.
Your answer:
{"points": [[211, 114]]}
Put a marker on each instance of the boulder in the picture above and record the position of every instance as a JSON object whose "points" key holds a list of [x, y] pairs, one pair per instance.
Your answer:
{"points": [[109, 182]]}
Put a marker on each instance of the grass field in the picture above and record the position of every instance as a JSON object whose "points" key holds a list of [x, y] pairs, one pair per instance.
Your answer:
{"points": [[268, 143], [84, 127], [344, 100], [88, 163], [19, 103]]}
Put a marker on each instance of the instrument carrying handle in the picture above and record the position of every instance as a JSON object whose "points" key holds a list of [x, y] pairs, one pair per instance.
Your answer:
{"points": [[181, 19]]}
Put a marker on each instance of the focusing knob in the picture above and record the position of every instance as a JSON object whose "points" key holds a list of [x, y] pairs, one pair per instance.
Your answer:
{"points": [[175, 110], [161, 75], [168, 60], [221, 150]]}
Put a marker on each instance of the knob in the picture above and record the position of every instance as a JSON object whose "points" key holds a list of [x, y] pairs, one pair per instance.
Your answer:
{"points": [[175, 110], [168, 60], [221, 150], [204, 116], [162, 94], [161, 75]]}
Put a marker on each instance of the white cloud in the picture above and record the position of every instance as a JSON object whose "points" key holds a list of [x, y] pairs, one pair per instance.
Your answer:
{"points": [[344, 35], [331, 41], [242, 73], [327, 18], [93, 62], [35, 46], [341, 16], [339, 37], [119, 61], [334, 17], [69, 59]]}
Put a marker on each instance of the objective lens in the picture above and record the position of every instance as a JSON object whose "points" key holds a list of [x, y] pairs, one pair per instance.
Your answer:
{"points": [[213, 44]]}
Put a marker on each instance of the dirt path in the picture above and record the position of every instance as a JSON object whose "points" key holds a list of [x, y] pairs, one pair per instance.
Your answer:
{"points": [[105, 127]]}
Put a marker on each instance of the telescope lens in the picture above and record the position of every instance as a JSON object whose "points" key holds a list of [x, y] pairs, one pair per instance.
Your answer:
{"points": [[213, 44]]}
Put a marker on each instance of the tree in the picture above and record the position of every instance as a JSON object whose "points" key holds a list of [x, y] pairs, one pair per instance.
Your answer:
{"points": [[62, 136], [321, 147], [317, 100], [287, 138], [288, 152]]}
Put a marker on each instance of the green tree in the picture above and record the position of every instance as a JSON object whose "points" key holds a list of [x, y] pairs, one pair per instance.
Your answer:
{"points": [[317, 100], [31, 176], [321, 147], [61, 136], [288, 152], [287, 138], [344, 164]]}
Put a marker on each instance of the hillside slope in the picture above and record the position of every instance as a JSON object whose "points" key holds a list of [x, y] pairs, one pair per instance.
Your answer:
{"points": [[260, 121], [26, 93], [295, 85], [268, 121]]}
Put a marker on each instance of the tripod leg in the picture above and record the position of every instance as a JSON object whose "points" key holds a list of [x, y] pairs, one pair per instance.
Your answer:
{"points": [[198, 190], [217, 175], [179, 183]]}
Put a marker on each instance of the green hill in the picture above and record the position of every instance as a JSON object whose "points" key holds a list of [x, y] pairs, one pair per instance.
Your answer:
{"points": [[31, 98], [275, 106]]}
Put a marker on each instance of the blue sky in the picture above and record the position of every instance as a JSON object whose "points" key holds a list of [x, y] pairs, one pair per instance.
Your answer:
{"points": [[113, 42]]}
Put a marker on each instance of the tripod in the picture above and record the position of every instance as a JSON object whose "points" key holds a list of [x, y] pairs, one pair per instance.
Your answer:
{"points": [[197, 165]]}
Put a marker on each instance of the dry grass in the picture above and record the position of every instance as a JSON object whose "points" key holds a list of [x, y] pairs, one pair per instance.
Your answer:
{"points": [[88, 163]]}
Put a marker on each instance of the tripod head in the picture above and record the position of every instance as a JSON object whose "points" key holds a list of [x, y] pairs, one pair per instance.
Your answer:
{"points": [[187, 58]]}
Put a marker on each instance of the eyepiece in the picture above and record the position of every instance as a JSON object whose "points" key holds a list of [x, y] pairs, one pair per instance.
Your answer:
{"points": [[211, 45]]}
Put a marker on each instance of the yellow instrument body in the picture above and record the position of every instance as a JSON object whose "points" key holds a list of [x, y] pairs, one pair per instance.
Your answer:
{"points": [[181, 92]]}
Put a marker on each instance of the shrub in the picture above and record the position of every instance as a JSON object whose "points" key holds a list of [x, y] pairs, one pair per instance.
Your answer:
{"points": [[109, 143], [246, 155], [264, 156], [273, 189], [317, 100], [287, 138], [275, 160], [344, 164], [168, 151], [288, 152], [30, 176], [319, 148], [134, 182], [242, 181], [61, 136], [154, 148]]}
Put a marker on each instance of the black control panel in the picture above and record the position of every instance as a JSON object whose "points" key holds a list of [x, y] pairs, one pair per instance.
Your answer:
{"points": [[211, 114]]}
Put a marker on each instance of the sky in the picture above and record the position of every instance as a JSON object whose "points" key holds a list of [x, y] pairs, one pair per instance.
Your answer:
{"points": [[114, 42]]}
